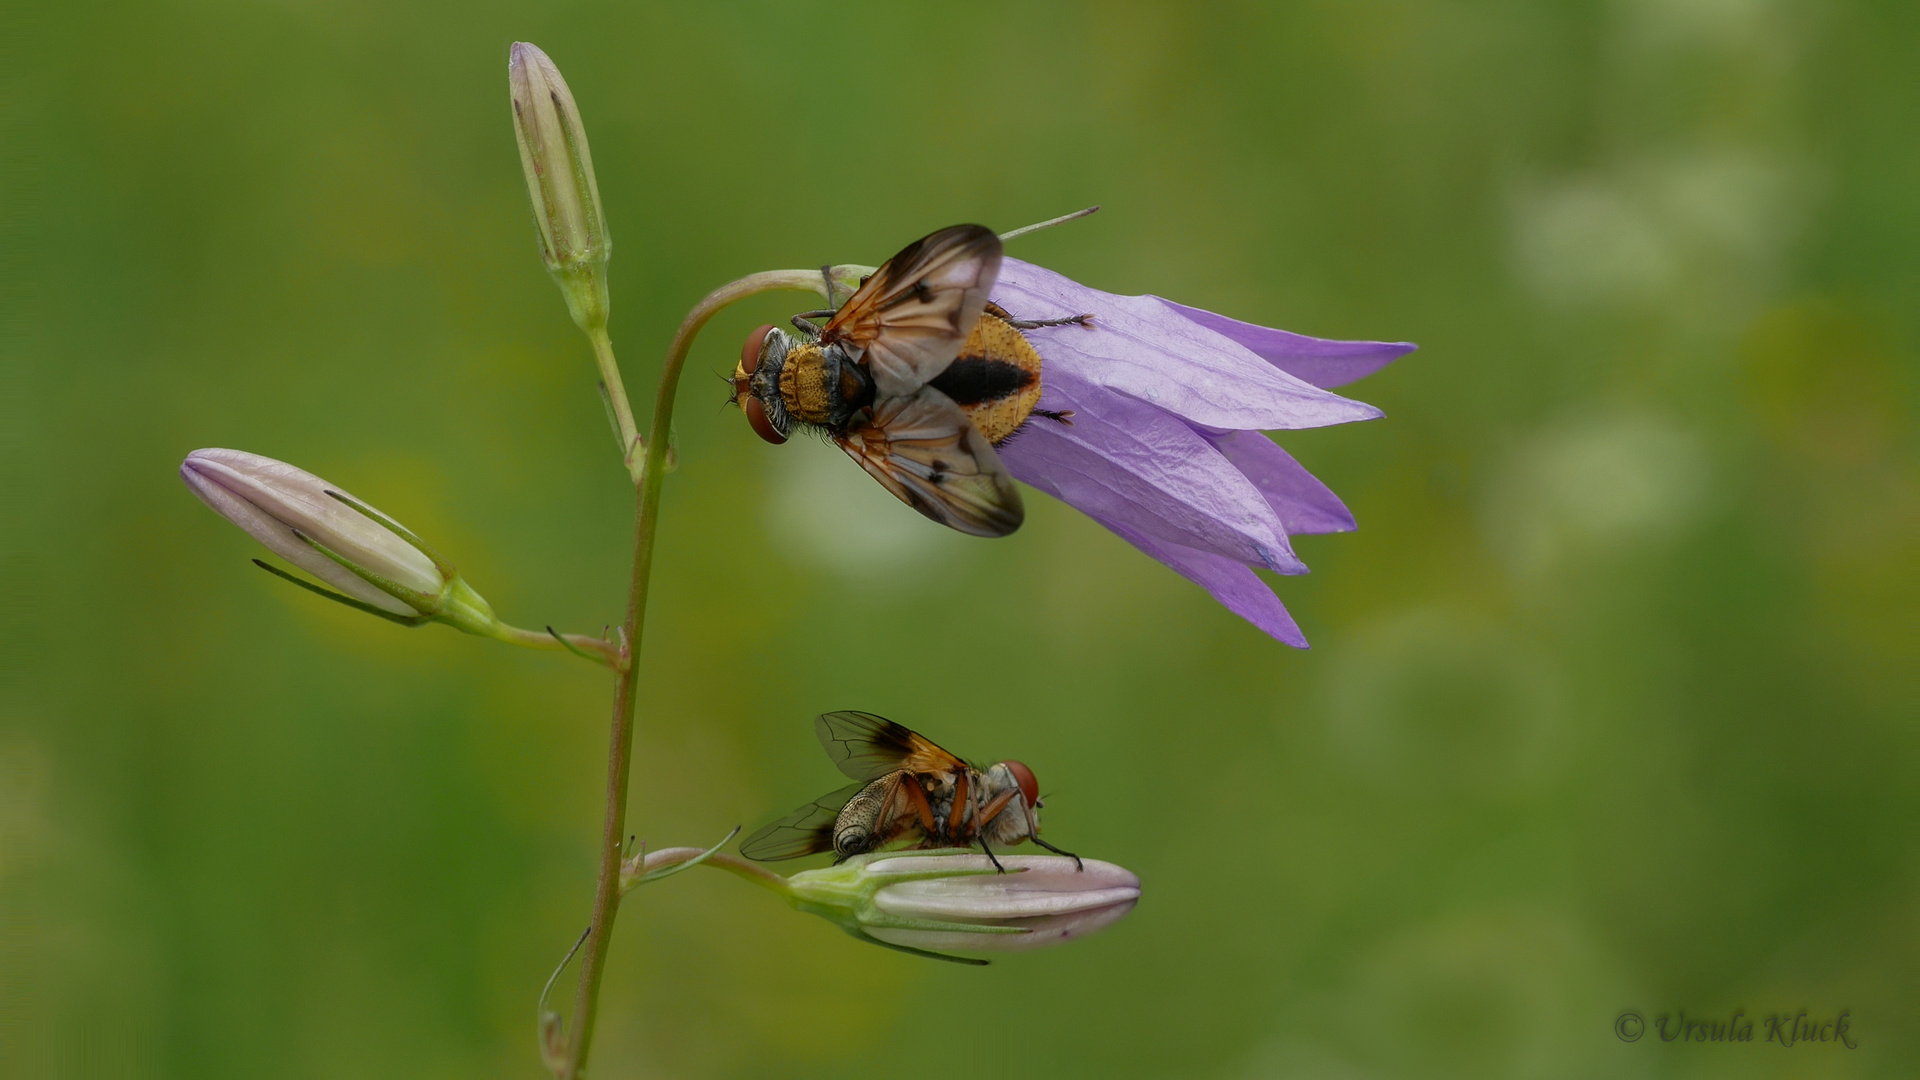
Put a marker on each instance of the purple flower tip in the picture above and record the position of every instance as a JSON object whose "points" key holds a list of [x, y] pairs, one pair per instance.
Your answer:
{"points": [[1323, 363], [1165, 445]]}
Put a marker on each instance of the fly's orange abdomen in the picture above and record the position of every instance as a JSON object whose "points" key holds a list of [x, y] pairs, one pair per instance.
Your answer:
{"points": [[995, 380]]}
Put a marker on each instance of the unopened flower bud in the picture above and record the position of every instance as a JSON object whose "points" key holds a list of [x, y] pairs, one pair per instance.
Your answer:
{"points": [[336, 538], [960, 902], [559, 171]]}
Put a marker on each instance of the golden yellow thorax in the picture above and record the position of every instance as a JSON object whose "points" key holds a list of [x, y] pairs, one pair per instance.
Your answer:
{"points": [[804, 385]]}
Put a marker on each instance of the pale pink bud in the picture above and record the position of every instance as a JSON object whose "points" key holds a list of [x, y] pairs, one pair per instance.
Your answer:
{"points": [[272, 500]]}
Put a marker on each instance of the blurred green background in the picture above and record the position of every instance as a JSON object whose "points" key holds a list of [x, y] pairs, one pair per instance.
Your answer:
{"points": [[1611, 705]]}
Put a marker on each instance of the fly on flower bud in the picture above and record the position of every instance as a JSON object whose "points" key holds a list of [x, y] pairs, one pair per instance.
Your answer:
{"points": [[559, 172], [906, 790], [379, 566], [932, 904]]}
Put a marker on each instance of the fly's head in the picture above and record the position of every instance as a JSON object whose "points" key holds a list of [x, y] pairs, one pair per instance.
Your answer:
{"points": [[1021, 816], [756, 383]]}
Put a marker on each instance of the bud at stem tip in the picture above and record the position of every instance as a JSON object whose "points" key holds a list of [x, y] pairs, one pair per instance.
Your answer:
{"points": [[559, 172]]}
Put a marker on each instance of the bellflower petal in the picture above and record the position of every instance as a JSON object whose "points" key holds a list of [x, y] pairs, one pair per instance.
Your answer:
{"points": [[1138, 347], [1303, 503], [1122, 460], [1238, 589], [1323, 363], [1164, 444]]}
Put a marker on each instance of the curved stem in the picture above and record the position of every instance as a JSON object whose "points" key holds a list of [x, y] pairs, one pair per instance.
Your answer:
{"points": [[606, 894], [733, 864]]}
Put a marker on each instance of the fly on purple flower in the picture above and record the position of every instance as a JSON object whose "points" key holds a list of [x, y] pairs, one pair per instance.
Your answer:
{"points": [[1144, 414]]}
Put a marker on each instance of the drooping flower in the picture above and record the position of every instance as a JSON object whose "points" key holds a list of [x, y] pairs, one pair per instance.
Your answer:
{"points": [[1166, 448]]}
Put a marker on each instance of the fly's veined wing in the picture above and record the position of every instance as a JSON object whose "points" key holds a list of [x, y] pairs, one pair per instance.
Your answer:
{"points": [[803, 832], [911, 317], [925, 450], [868, 747]]}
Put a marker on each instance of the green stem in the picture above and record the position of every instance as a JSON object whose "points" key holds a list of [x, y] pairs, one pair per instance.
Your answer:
{"points": [[623, 423], [733, 864], [606, 894], [604, 652]]}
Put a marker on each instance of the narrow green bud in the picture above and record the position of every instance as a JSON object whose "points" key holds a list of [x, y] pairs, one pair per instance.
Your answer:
{"points": [[559, 172]]}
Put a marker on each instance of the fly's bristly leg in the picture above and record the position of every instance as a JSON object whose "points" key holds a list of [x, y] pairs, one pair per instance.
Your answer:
{"points": [[1078, 866], [990, 856], [1006, 316], [801, 323], [1064, 416], [1036, 324]]}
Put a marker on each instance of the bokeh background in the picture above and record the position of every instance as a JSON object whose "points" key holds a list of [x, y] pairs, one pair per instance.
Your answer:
{"points": [[1611, 702]]}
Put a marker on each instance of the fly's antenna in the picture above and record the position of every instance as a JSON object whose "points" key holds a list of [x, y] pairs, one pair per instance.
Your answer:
{"points": [[1048, 224]]}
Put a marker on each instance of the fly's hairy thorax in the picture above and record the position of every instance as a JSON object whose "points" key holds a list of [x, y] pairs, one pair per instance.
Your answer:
{"points": [[805, 385], [821, 385], [995, 379]]}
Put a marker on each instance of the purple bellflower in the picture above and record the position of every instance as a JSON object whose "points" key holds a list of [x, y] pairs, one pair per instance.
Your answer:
{"points": [[1166, 448]]}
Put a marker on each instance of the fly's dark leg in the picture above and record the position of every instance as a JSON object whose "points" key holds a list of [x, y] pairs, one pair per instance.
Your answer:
{"points": [[801, 324], [1064, 416], [990, 858], [826, 275], [1077, 864]]}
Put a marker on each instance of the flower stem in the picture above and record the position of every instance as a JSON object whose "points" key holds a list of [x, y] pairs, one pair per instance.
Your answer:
{"points": [[733, 864], [624, 426], [601, 652], [650, 476]]}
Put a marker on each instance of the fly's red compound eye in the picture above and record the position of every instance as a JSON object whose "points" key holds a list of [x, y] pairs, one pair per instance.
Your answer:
{"points": [[749, 363], [757, 417], [1023, 776], [750, 352]]}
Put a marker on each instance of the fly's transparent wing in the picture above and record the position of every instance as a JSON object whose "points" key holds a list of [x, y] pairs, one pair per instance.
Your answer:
{"points": [[867, 747], [803, 832]]}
